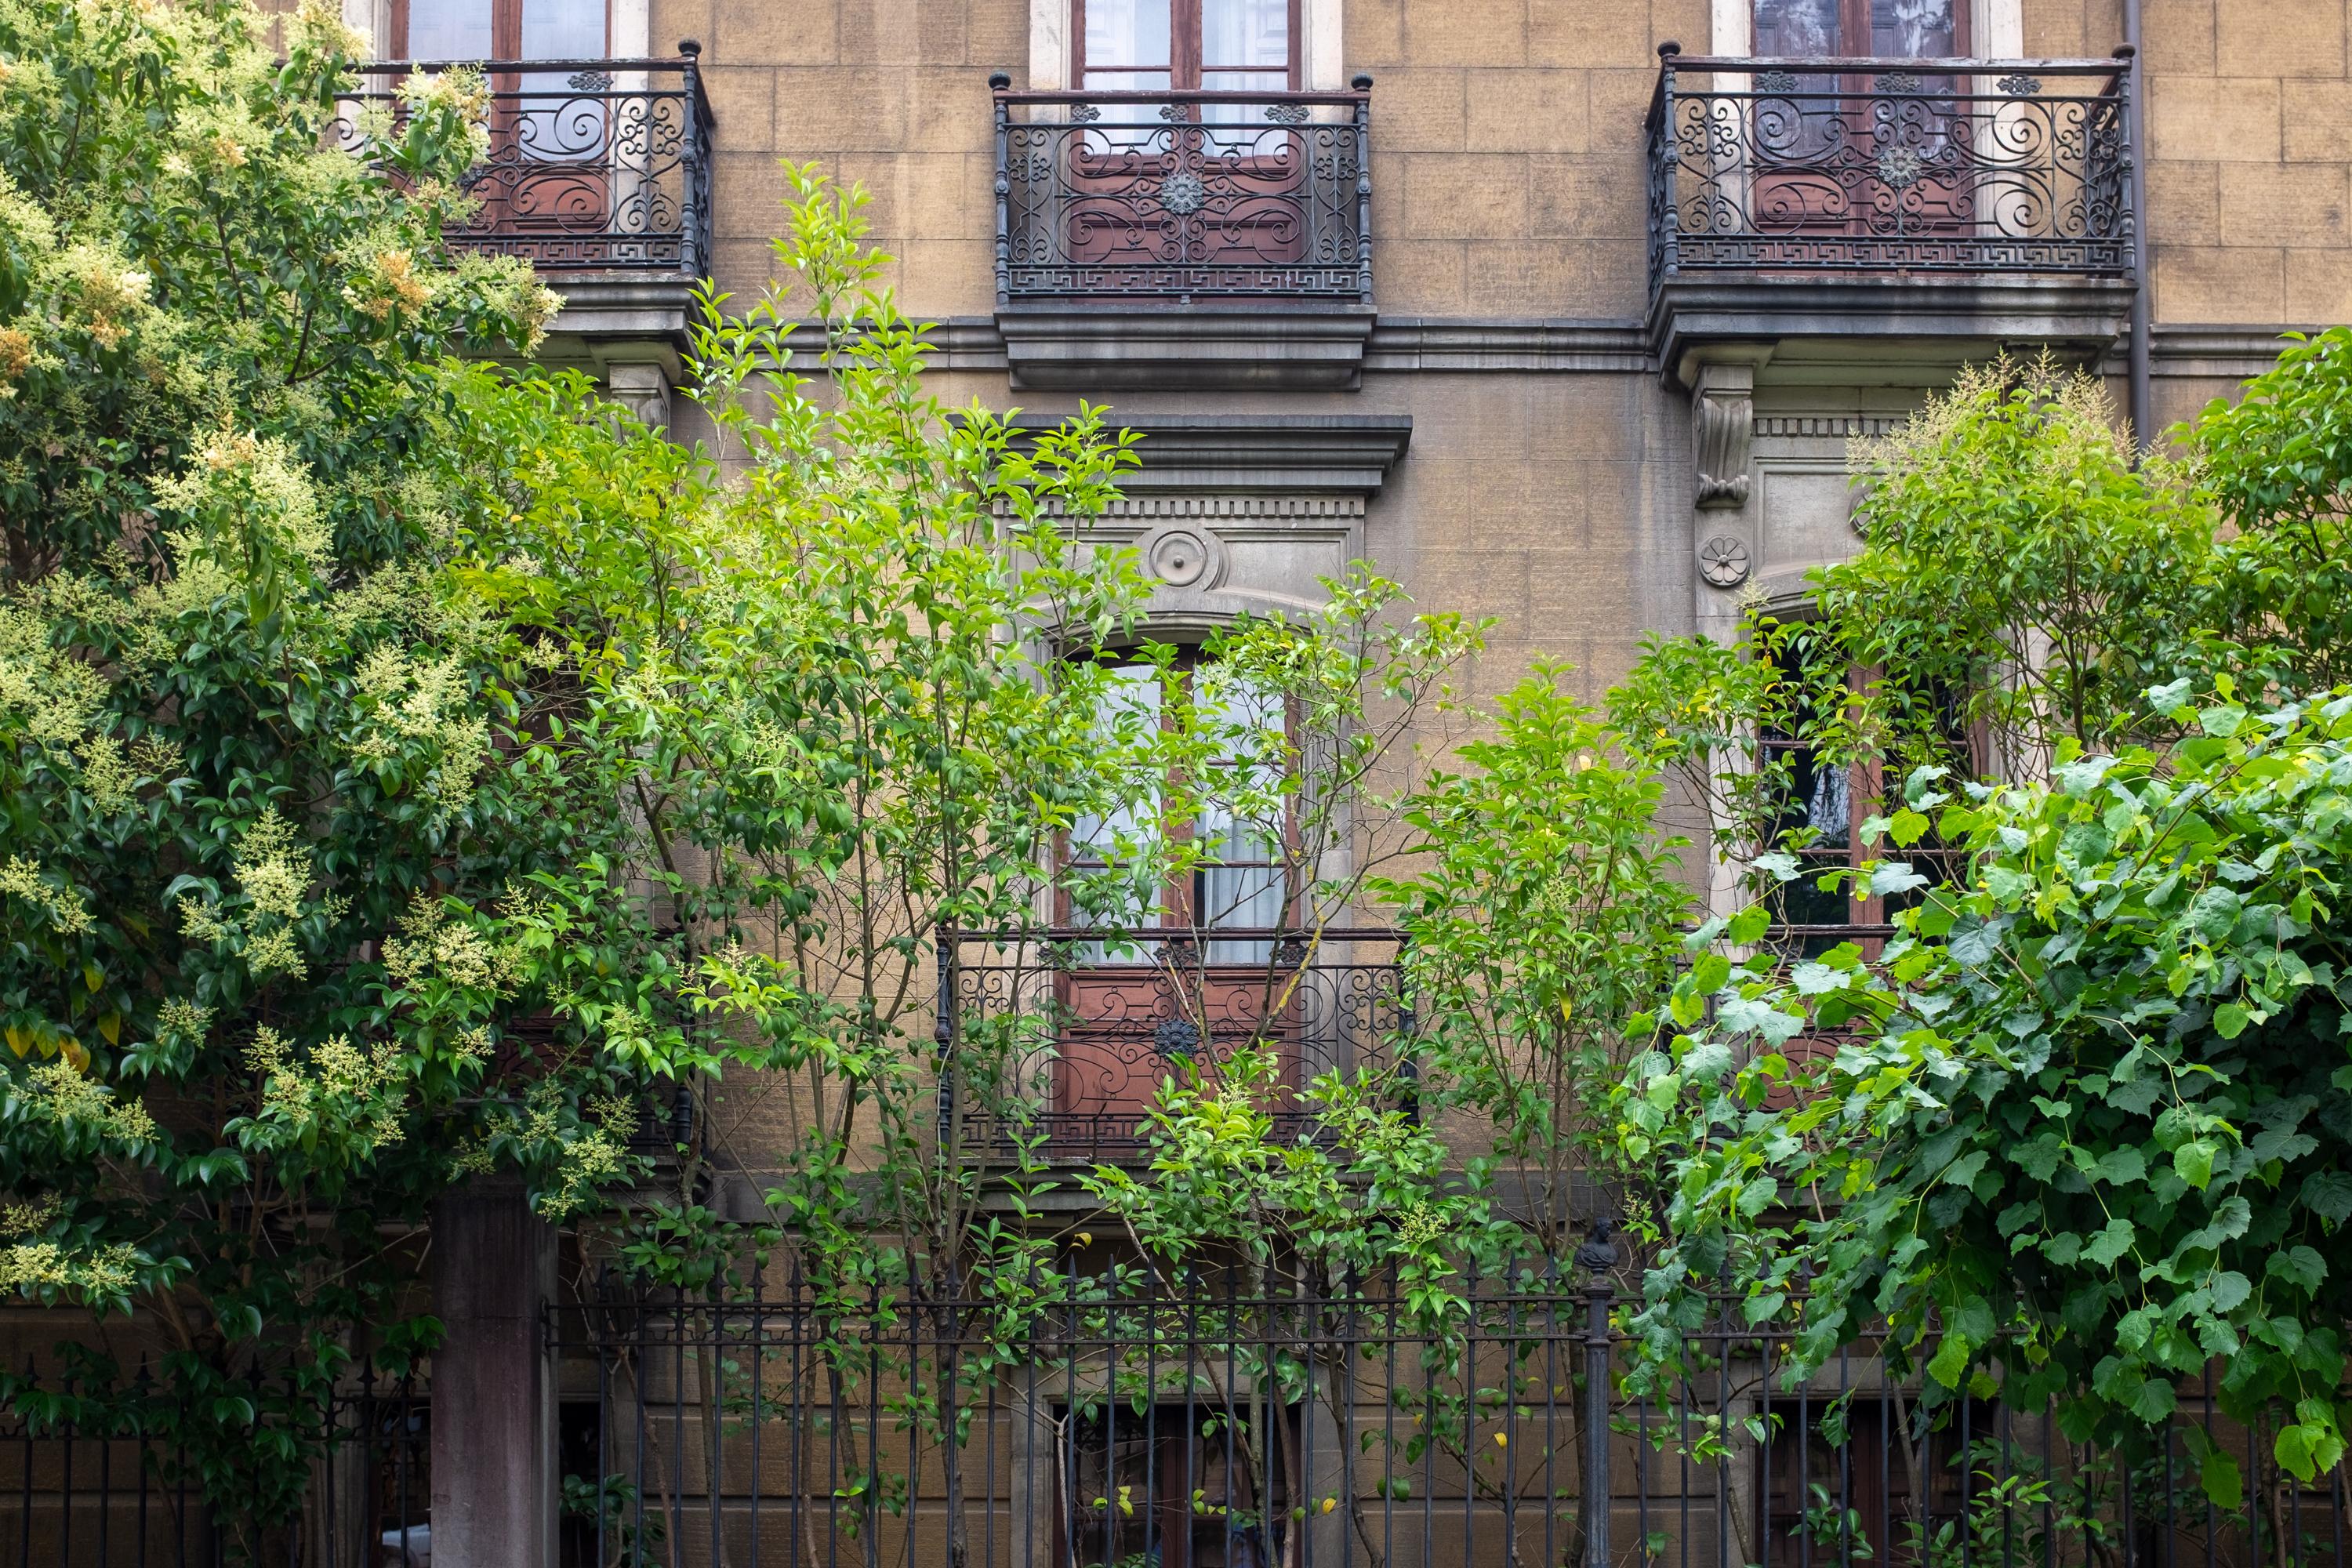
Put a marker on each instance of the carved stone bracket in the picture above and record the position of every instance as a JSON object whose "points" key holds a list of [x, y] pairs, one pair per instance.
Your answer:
{"points": [[1722, 379], [1721, 427]]}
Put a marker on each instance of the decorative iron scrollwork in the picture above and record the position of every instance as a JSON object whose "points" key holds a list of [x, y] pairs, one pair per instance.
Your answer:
{"points": [[578, 177], [1900, 167], [1186, 197], [1912, 172], [1110, 1014], [1182, 193]]}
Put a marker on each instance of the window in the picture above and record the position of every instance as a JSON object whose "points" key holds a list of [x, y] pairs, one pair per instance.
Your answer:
{"points": [[1866, 1494], [1821, 804], [1174, 1486], [1854, 154], [497, 29], [1878, 30], [1190, 966], [1217, 46], [1240, 881], [550, 171]]}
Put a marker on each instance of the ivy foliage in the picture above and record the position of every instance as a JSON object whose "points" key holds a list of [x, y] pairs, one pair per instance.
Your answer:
{"points": [[2084, 1127], [2087, 1121]]}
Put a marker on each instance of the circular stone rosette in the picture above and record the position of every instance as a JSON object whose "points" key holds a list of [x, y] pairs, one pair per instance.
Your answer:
{"points": [[1182, 556], [1723, 562]]}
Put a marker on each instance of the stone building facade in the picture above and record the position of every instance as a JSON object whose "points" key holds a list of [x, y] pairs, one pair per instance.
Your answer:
{"points": [[1558, 312], [1560, 424]]}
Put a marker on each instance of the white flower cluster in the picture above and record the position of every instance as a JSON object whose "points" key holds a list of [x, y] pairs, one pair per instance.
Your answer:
{"points": [[337, 1088]]}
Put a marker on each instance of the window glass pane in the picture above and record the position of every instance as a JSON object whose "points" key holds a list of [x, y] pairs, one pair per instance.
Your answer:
{"points": [[562, 29], [1912, 29], [560, 127], [1243, 817], [1129, 33], [449, 30], [1242, 897], [1797, 27], [1250, 114], [1129, 711], [1245, 33]]}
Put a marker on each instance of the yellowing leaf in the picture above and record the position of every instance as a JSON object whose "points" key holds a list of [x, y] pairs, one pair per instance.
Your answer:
{"points": [[110, 1026], [92, 976], [1083, 1238], [75, 1055], [19, 1041]]}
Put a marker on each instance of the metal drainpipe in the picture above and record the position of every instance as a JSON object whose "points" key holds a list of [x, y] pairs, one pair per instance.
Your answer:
{"points": [[2143, 308]]}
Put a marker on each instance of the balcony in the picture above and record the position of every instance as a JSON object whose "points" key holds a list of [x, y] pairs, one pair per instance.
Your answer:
{"points": [[1183, 239], [598, 176], [1091, 1023], [1986, 199]]}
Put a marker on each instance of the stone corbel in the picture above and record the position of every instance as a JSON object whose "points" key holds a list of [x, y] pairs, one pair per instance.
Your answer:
{"points": [[1722, 379], [641, 388]]}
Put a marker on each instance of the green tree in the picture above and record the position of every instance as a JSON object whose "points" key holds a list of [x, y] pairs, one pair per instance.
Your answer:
{"points": [[265, 773], [2024, 578], [1544, 913]]}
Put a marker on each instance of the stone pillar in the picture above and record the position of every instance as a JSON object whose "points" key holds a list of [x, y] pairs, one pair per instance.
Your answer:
{"points": [[493, 1429]]}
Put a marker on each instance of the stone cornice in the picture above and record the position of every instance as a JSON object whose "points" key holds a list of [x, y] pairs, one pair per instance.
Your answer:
{"points": [[614, 310]]}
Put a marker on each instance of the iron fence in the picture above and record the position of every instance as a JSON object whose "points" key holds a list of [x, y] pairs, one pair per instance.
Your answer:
{"points": [[1174, 195], [593, 165], [1190, 1423], [1081, 1027], [100, 1472], [1883, 165]]}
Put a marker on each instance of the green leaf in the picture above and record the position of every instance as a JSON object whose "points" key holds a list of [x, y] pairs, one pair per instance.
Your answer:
{"points": [[1749, 926], [2112, 1242], [2217, 1475], [1950, 1361], [2193, 1163], [2229, 1022], [2328, 1194], [2221, 721], [2154, 1400], [1710, 974], [2299, 1266]]}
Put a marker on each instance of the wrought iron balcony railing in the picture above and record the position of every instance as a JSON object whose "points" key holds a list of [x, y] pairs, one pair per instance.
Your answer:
{"points": [[1937, 166], [1179, 195], [1078, 1028], [594, 165]]}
